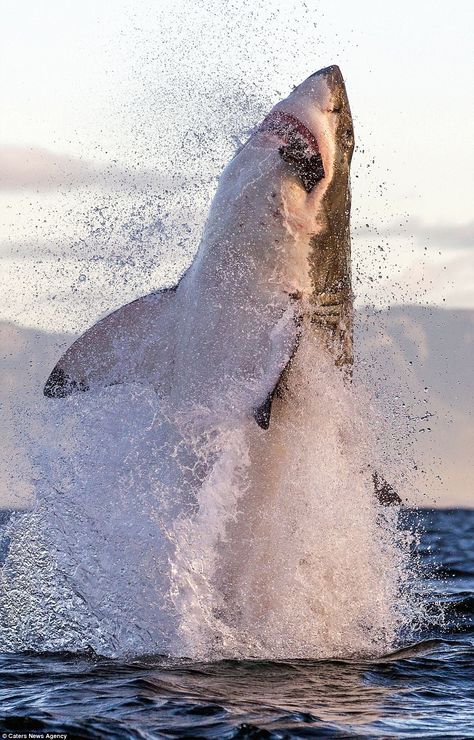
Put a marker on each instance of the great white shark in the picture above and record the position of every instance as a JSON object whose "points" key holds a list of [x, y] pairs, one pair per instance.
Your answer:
{"points": [[274, 262]]}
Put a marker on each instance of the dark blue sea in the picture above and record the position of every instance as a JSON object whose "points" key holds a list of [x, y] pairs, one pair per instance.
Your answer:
{"points": [[423, 690]]}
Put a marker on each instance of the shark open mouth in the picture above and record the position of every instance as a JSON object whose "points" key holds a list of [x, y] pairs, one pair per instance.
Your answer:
{"points": [[299, 146]]}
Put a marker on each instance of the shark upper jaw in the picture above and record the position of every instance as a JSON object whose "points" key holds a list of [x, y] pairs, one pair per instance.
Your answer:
{"points": [[287, 127]]}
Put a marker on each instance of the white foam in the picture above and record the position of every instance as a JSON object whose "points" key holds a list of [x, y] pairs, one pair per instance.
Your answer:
{"points": [[292, 555], [205, 536]]}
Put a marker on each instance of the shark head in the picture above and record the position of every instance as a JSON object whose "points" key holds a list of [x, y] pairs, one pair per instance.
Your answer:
{"points": [[314, 124], [318, 121], [273, 264]]}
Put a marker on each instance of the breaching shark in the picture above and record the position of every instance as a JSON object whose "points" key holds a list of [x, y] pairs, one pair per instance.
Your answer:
{"points": [[274, 261]]}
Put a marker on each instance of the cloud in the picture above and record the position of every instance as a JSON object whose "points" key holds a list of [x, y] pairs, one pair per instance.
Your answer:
{"points": [[447, 283], [38, 169], [455, 235], [436, 235]]}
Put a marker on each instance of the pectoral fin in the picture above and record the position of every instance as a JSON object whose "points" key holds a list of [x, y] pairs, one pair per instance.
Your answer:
{"points": [[263, 412], [133, 343]]}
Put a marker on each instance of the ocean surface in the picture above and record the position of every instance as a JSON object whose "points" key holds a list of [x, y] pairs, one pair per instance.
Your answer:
{"points": [[425, 689]]}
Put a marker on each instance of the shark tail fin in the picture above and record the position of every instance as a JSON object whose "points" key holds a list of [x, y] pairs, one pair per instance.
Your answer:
{"points": [[385, 493]]}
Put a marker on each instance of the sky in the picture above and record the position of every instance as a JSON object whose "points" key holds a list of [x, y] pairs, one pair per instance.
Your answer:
{"points": [[118, 118]]}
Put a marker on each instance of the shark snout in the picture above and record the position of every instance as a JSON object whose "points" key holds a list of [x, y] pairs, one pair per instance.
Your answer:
{"points": [[331, 74], [334, 83]]}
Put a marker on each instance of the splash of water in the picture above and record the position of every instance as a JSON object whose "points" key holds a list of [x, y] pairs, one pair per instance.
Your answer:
{"points": [[290, 554], [204, 536]]}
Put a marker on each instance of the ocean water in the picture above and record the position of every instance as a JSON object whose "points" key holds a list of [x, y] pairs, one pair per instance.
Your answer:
{"points": [[423, 689]]}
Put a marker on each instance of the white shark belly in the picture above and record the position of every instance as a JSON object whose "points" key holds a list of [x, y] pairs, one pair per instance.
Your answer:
{"points": [[238, 313]]}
